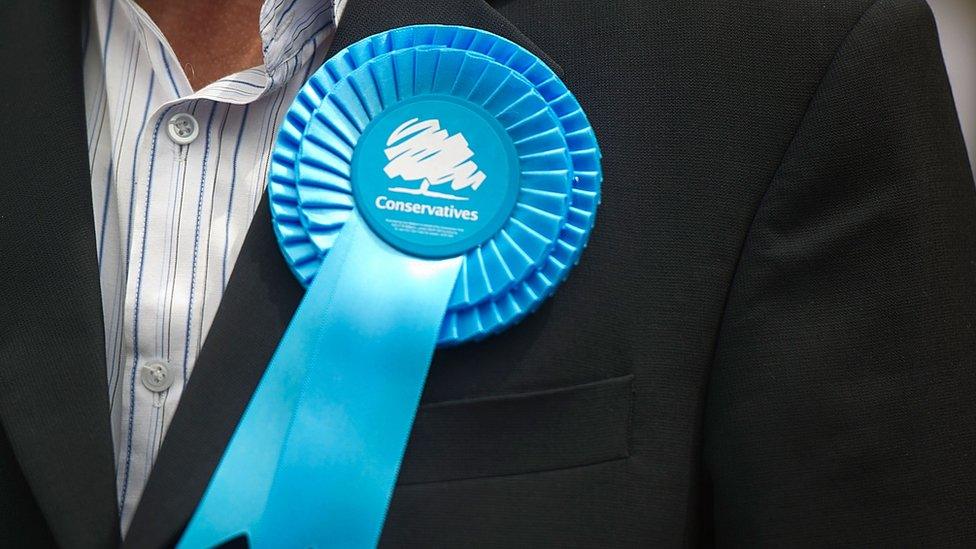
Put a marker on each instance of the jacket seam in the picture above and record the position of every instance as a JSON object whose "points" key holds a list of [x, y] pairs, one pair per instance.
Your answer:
{"points": [[786, 152]]}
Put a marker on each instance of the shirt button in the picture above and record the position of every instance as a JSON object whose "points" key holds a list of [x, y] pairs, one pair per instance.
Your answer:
{"points": [[157, 376], [183, 128]]}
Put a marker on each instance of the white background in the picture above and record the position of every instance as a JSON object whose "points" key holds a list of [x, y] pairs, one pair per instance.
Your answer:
{"points": [[957, 31]]}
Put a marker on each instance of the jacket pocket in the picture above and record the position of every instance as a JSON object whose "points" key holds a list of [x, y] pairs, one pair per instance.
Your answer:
{"points": [[520, 433]]}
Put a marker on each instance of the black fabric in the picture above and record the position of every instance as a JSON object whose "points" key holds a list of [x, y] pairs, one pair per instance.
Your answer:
{"points": [[857, 243], [53, 398], [769, 341], [23, 523], [483, 437]]}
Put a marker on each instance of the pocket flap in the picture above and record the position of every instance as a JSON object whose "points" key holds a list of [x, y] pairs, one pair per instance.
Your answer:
{"points": [[520, 433]]}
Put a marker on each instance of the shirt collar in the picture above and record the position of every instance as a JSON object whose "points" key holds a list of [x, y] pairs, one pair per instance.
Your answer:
{"points": [[291, 32], [288, 32]]}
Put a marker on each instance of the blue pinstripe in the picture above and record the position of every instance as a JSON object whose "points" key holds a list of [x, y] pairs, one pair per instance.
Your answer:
{"points": [[196, 241], [169, 71], [230, 202]]}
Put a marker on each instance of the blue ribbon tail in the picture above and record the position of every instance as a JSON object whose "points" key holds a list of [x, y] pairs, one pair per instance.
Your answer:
{"points": [[315, 457]]}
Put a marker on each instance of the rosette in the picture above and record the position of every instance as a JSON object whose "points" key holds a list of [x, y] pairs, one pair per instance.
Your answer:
{"points": [[430, 185], [510, 272]]}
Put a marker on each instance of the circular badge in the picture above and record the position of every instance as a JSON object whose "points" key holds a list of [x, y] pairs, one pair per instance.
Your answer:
{"points": [[435, 175], [448, 141]]}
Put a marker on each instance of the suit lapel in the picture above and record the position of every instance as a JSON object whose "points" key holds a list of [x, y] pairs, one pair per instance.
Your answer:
{"points": [[259, 301], [53, 395]]}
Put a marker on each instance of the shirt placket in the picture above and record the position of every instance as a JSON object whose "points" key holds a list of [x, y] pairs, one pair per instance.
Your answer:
{"points": [[159, 283]]}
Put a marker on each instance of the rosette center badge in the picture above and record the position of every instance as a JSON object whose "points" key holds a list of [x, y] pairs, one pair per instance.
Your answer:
{"points": [[435, 176]]}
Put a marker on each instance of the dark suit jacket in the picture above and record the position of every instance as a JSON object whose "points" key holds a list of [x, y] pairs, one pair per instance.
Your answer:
{"points": [[769, 341]]}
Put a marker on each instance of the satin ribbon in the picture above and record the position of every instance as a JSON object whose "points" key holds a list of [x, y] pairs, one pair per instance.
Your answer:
{"points": [[315, 456]]}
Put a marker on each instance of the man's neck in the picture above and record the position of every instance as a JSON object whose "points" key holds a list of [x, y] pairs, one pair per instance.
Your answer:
{"points": [[211, 39]]}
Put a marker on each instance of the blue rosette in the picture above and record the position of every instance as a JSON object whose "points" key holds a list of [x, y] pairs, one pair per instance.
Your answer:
{"points": [[505, 275], [430, 185]]}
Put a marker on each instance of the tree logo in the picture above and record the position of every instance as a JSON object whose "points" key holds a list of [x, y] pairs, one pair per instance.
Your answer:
{"points": [[419, 150]]}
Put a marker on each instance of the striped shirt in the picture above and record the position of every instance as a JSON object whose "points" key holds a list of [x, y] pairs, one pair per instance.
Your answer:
{"points": [[170, 216]]}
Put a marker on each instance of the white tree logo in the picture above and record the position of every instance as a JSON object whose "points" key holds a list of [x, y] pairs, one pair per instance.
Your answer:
{"points": [[419, 150]]}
